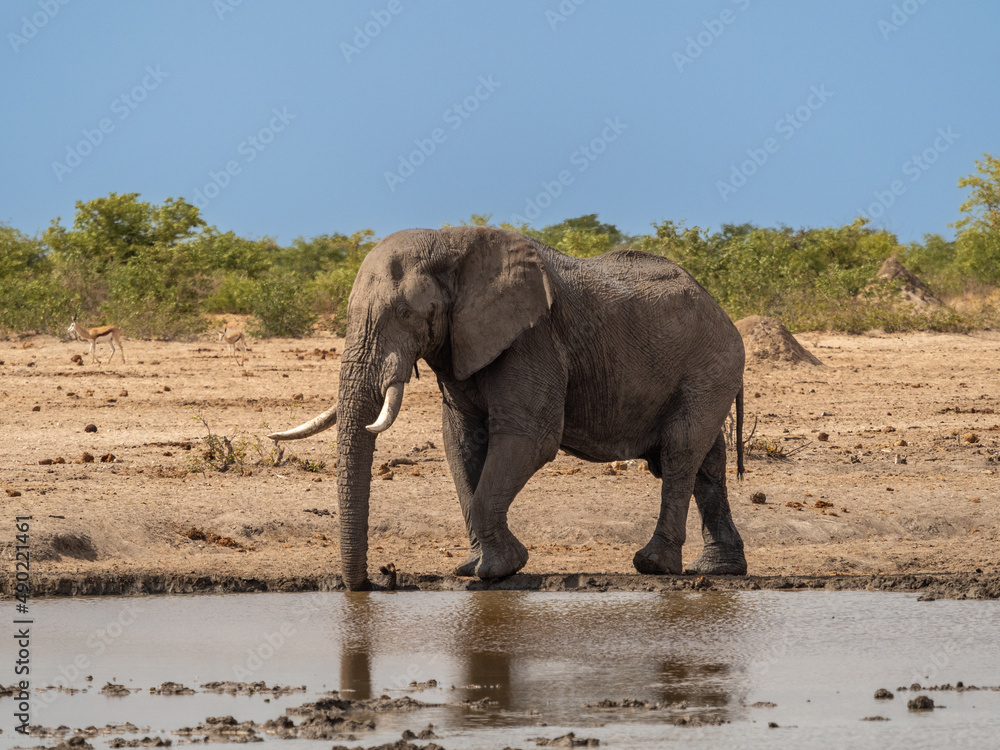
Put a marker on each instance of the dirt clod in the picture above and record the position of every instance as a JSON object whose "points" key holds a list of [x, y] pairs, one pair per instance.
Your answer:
{"points": [[414, 685], [700, 720], [199, 535], [920, 703], [74, 743], [114, 690], [566, 740], [250, 688], [171, 688]]}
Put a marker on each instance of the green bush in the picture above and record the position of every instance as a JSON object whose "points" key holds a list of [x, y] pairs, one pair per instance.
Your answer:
{"points": [[282, 307], [231, 254], [33, 306], [144, 302], [807, 278], [234, 295], [31, 298], [158, 270], [331, 289]]}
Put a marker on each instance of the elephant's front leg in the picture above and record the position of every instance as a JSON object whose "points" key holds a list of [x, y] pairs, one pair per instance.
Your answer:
{"points": [[510, 462], [466, 441]]}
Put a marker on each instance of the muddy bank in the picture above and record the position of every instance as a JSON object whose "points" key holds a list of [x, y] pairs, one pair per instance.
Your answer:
{"points": [[930, 586]]}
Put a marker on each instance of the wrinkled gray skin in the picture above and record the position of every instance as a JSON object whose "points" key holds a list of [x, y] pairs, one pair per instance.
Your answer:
{"points": [[616, 357]]}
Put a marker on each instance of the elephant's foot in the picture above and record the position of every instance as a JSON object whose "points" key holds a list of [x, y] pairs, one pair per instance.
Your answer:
{"points": [[468, 568], [717, 560], [656, 558], [502, 560]]}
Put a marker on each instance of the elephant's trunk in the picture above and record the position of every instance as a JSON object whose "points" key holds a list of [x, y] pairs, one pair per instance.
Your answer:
{"points": [[355, 447], [361, 385], [361, 389]]}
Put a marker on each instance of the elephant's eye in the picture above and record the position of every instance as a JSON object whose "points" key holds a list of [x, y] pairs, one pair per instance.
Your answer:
{"points": [[402, 310]]}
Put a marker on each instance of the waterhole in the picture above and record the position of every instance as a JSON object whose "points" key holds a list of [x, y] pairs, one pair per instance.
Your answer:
{"points": [[503, 669]]}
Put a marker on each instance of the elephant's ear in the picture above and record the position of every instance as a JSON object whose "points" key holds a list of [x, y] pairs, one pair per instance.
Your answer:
{"points": [[501, 290]]}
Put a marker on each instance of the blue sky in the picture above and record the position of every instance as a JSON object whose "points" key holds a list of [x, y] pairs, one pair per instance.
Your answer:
{"points": [[304, 118]]}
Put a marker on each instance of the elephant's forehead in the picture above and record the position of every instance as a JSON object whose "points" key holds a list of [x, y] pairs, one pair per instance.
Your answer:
{"points": [[386, 275], [382, 265]]}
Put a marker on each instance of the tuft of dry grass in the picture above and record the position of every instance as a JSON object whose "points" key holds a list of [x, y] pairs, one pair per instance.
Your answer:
{"points": [[770, 448]]}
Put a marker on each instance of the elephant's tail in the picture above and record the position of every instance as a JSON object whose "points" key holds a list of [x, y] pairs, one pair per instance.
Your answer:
{"points": [[739, 434]]}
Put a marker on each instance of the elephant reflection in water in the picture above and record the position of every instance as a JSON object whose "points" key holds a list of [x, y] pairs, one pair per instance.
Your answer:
{"points": [[356, 646], [530, 650], [489, 635], [486, 673]]}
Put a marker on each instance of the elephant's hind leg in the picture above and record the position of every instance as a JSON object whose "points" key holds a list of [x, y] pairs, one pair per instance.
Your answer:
{"points": [[723, 551], [466, 441], [662, 554], [681, 453]]}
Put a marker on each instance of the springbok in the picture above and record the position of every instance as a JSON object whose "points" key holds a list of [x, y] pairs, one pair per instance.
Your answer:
{"points": [[233, 341], [109, 334]]}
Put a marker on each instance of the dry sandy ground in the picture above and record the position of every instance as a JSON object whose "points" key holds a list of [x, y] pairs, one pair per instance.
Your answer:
{"points": [[839, 502]]}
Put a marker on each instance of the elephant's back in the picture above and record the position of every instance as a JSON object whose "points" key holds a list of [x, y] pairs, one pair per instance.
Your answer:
{"points": [[642, 314], [642, 287], [647, 300], [642, 270]]}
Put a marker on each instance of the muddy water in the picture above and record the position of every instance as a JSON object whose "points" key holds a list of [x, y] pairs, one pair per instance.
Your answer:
{"points": [[539, 659]]}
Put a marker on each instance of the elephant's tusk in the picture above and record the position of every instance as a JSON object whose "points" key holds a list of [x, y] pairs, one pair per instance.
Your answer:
{"points": [[393, 399], [324, 421]]}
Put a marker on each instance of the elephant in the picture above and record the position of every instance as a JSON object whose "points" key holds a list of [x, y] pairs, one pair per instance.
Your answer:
{"points": [[620, 356]]}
